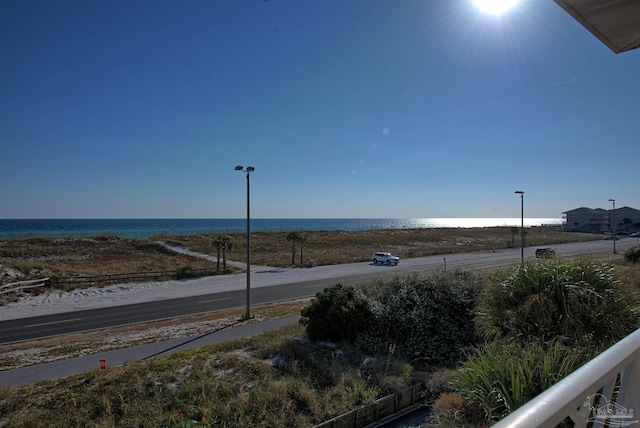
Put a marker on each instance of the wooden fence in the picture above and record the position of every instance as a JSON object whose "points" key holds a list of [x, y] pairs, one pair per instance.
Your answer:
{"points": [[380, 409], [23, 285], [119, 278]]}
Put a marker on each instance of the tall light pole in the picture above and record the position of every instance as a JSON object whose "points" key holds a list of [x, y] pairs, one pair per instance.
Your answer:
{"points": [[613, 224], [249, 170], [521, 193]]}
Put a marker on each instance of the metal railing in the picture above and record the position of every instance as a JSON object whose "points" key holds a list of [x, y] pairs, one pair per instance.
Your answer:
{"points": [[605, 392]]}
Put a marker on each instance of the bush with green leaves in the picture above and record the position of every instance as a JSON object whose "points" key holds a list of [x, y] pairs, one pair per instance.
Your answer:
{"points": [[500, 377], [632, 254], [337, 314], [579, 301], [428, 318]]}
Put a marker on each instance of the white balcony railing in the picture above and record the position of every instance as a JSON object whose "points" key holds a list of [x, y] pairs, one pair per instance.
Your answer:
{"points": [[605, 392]]}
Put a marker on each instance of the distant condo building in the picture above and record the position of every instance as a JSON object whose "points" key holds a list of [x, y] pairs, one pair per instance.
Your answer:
{"points": [[598, 220]]}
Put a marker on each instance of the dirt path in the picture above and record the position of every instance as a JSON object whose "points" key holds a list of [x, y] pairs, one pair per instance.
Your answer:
{"points": [[182, 250]]}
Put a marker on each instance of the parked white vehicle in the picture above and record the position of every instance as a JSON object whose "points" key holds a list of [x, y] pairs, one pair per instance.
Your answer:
{"points": [[387, 258]]}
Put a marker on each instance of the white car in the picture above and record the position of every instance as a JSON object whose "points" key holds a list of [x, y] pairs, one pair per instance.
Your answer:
{"points": [[387, 258]]}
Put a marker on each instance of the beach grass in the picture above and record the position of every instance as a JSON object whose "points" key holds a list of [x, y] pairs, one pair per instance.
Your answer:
{"points": [[337, 247], [39, 257], [275, 379], [32, 258]]}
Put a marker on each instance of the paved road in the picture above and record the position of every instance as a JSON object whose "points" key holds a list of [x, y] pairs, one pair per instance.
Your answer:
{"points": [[63, 368], [58, 369], [268, 285]]}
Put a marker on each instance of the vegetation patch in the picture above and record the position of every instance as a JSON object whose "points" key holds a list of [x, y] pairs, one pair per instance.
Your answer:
{"points": [[482, 343], [500, 377], [579, 301], [277, 379], [427, 318], [540, 322], [632, 254]]}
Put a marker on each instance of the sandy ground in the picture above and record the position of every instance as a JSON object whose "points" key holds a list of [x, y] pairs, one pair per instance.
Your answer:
{"points": [[44, 350], [86, 343], [57, 348], [52, 302]]}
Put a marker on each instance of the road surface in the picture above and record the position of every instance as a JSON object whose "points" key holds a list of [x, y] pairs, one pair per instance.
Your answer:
{"points": [[179, 298]]}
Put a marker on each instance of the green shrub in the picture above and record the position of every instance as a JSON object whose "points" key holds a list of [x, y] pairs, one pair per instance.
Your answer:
{"points": [[427, 318], [579, 301], [499, 377], [336, 314], [632, 254]]}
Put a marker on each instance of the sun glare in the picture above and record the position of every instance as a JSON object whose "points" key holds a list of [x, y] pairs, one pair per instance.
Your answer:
{"points": [[495, 7]]}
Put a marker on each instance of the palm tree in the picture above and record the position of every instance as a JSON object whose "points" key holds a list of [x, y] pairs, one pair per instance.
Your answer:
{"points": [[227, 245], [222, 244], [302, 238], [217, 242], [293, 236]]}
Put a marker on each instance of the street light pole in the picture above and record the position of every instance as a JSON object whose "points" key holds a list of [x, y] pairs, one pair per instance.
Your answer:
{"points": [[613, 225], [249, 170], [521, 193]]}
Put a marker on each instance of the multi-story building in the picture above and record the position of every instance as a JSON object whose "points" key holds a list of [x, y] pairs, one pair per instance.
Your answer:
{"points": [[598, 220]]}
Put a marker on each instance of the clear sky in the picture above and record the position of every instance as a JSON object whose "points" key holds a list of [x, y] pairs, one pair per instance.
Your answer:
{"points": [[346, 108]]}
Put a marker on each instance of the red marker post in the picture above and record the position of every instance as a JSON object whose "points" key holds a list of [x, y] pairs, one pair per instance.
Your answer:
{"points": [[103, 364]]}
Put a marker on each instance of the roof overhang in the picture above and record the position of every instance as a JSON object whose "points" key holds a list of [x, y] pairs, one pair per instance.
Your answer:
{"points": [[616, 23]]}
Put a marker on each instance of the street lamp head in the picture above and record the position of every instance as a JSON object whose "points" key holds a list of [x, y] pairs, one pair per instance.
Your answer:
{"points": [[249, 169], [612, 200], [519, 192]]}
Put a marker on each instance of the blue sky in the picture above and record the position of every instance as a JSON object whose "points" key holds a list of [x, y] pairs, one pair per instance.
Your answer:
{"points": [[346, 108]]}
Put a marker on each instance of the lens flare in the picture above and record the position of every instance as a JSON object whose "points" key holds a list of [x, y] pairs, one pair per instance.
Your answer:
{"points": [[495, 7]]}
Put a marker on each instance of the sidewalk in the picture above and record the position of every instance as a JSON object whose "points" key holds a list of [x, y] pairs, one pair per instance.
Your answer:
{"points": [[58, 369]]}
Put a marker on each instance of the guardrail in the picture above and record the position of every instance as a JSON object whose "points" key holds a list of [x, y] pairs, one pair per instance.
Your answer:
{"points": [[380, 409], [605, 392]]}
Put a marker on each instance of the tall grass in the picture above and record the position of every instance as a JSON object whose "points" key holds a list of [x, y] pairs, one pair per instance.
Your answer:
{"points": [[271, 380], [334, 247], [36, 257], [541, 321], [500, 377], [279, 379]]}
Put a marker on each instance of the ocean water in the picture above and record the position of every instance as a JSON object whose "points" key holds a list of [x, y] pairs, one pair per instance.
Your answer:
{"points": [[145, 228]]}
